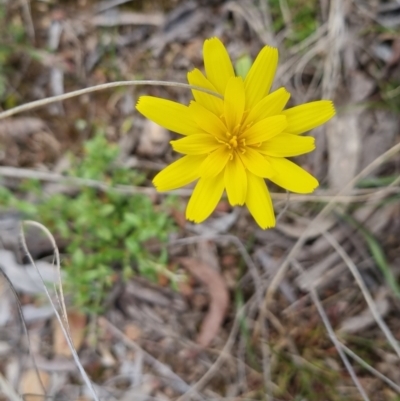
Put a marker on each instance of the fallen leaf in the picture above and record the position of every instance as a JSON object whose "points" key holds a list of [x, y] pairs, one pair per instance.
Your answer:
{"points": [[32, 386], [77, 325], [219, 298], [133, 332]]}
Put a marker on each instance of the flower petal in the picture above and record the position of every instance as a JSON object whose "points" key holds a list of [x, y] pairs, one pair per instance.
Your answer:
{"points": [[217, 63], [171, 115], [256, 163], [210, 102], [215, 162], [179, 173], [207, 121], [292, 177], [258, 201], [259, 79], [285, 145], [196, 144], [205, 197], [235, 181], [308, 116], [265, 129], [234, 101], [270, 105]]}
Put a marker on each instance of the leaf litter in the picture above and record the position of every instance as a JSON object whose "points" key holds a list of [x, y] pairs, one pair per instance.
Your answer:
{"points": [[152, 329]]}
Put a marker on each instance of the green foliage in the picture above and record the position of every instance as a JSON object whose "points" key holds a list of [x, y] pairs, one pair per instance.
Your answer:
{"points": [[108, 234], [303, 15], [12, 36]]}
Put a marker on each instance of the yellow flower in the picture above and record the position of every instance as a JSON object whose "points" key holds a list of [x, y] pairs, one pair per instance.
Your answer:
{"points": [[234, 143]]}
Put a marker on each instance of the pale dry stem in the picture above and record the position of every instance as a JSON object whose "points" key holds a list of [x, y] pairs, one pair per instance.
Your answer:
{"points": [[53, 99], [60, 319]]}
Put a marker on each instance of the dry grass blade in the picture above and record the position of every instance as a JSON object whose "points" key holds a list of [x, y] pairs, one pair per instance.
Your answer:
{"points": [[317, 220], [368, 367], [162, 369], [91, 89], [332, 335], [84, 375], [370, 301]]}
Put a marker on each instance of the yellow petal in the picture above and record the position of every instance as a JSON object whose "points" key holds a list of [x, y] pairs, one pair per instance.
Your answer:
{"points": [[286, 145], [217, 64], [196, 144], [235, 181], [212, 103], [265, 129], [207, 121], [214, 162], [179, 173], [261, 75], [258, 201], [308, 116], [256, 163], [171, 115], [205, 197], [292, 177], [270, 105], [234, 101]]}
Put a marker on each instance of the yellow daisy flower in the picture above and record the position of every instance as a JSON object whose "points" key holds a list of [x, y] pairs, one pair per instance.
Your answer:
{"points": [[234, 143]]}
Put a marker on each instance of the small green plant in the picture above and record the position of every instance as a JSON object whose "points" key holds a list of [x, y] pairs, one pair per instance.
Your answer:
{"points": [[13, 40], [303, 15], [108, 234]]}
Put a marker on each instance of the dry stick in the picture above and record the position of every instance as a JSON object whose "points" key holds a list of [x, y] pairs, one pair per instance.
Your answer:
{"points": [[360, 195], [323, 213], [60, 321], [332, 335], [353, 268], [14, 172], [80, 92]]}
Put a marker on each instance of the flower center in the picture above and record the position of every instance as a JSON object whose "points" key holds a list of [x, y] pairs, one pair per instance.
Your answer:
{"points": [[234, 144], [233, 141]]}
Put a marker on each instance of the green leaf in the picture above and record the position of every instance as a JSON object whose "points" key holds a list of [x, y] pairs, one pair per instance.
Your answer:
{"points": [[106, 210], [243, 65], [78, 257], [133, 219]]}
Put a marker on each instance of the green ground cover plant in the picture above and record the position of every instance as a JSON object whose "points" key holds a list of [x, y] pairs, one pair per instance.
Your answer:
{"points": [[109, 236]]}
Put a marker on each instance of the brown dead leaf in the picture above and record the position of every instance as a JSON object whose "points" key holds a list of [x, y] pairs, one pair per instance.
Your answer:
{"points": [[133, 332], [32, 386], [219, 298], [77, 325]]}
